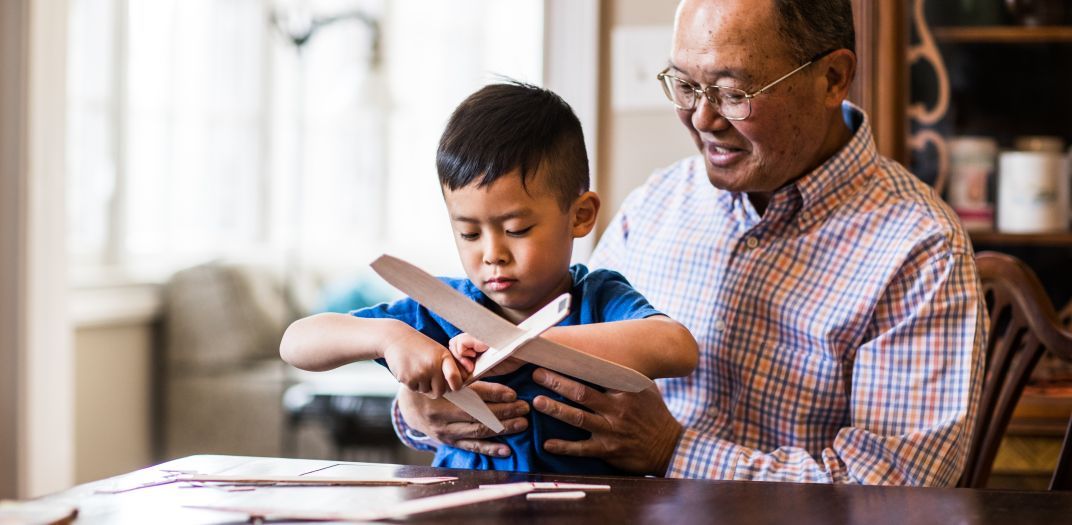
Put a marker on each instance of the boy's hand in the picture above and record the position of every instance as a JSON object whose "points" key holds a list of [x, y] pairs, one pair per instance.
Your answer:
{"points": [[466, 350], [422, 365]]}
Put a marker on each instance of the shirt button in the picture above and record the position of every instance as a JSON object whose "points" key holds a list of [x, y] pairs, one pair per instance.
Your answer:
{"points": [[720, 325], [751, 242]]}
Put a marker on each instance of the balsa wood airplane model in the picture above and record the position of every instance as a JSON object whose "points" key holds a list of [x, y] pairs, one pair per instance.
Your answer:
{"points": [[504, 338]]}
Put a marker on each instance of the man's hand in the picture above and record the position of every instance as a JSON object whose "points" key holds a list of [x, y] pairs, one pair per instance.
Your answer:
{"points": [[445, 423], [631, 431], [422, 365]]}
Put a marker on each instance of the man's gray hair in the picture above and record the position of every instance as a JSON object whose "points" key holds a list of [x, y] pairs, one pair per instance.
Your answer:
{"points": [[810, 27]]}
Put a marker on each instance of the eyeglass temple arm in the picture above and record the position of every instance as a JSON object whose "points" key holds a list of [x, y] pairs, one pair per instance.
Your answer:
{"points": [[791, 73], [763, 89]]}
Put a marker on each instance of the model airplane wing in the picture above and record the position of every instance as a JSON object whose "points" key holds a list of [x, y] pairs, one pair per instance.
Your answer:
{"points": [[440, 298], [503, 338], [551, 355]]}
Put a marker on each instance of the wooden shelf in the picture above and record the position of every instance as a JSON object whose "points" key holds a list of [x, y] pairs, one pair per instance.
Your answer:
{"points": [[1021, 239], [1004, 34]]}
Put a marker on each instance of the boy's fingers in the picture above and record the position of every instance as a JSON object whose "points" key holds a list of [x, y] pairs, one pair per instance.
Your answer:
{"points": [[452, 374]]}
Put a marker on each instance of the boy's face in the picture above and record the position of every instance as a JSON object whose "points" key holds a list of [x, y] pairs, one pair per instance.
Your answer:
{"points": [[515, 244]]}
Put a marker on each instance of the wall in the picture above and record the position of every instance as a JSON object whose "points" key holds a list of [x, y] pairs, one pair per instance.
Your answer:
{"points": [[113, 371], [36, 412], [634, 142], [46, 450], [12, 151]]}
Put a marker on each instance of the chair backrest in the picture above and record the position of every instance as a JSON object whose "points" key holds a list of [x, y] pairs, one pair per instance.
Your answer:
{"points": [[1023, 325]]}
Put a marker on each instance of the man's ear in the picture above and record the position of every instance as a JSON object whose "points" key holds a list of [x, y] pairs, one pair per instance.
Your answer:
{"points": [[840, 70], [583, 214]]}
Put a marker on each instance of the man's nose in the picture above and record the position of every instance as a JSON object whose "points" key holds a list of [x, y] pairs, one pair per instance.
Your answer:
{"points": [[707, 118]]}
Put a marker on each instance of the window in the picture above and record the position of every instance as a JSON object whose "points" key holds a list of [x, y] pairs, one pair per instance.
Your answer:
{"points": [[199, 129]]}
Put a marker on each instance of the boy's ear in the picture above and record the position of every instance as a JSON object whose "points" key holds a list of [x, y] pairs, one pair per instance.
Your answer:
{"points": [[585, 211]]}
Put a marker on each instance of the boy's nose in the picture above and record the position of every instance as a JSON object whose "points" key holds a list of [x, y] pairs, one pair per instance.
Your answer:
{"points": [[495, 253]]}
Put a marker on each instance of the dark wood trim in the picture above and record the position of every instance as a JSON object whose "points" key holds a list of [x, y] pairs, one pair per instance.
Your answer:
{"points": [[1021, 239], [1004, 34], [890, 81]]}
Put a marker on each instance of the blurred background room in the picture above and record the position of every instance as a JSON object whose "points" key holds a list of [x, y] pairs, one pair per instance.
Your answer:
{"points": [[179, 179], [195, 174]]}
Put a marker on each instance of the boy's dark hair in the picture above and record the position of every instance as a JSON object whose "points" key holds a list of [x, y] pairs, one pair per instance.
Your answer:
{"points": [[514, 125]]}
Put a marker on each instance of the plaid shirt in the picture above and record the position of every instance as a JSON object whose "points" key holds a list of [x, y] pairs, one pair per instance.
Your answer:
{"points": [[841, 333]]}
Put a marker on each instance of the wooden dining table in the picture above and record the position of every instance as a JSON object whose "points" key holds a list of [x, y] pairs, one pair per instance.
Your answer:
{"points": [[145, 496]]}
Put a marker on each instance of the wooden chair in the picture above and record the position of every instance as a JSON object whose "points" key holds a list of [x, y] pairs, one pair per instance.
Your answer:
{"points": [[1023, 325]]}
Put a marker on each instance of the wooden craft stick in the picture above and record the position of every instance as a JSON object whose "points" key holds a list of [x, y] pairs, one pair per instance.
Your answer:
{"points": [[564, 495], [471, 403], [559, 358], [446, 301], [551, 314], [121, 488], [311, 480], [554, 485], [402, 509]]}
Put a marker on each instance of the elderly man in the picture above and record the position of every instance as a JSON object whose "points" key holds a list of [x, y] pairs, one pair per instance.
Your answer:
{"points": [[833, 295]]}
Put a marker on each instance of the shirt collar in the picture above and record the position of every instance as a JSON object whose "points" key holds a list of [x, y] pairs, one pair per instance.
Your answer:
{"points": [[841, 176]]}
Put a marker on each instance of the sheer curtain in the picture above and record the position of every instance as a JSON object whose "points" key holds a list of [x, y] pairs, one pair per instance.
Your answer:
{"points": [[198, 129]]}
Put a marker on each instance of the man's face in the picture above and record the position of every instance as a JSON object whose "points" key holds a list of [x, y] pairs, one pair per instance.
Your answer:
{"points": [[515, 244], [735, 43]]}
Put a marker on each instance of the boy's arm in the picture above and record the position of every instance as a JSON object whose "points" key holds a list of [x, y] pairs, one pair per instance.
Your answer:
{"points": [[329, 340], [655, 346]]}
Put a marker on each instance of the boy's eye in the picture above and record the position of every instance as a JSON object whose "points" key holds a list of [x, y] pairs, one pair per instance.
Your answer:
{"points": [[469, 236], [518, 233]]}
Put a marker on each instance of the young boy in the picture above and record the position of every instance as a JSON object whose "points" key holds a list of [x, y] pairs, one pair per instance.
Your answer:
{"points": [[514, 174]]}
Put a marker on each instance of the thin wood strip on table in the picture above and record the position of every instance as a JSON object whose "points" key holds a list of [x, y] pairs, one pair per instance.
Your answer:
{"points": [[555, 485], [401, 510], [566, 495], [312, 480]]}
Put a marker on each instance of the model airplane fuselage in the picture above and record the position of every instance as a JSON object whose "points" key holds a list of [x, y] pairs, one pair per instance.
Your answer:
{"points": [[504, 339]]}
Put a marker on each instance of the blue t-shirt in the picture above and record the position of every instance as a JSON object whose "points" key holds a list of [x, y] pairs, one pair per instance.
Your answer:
{"points": [[598, 297]]}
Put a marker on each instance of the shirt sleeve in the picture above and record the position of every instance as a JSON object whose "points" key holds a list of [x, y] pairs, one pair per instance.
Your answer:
{"points": [[915, 385], [617, 300], [409, 437]]}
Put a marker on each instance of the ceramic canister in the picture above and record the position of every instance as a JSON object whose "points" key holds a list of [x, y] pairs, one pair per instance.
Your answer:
{"points": [[972, 162], [1033, 192]]}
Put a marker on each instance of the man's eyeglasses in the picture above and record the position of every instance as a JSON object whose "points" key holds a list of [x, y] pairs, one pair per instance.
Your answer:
{"points": [[731, 103]]}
